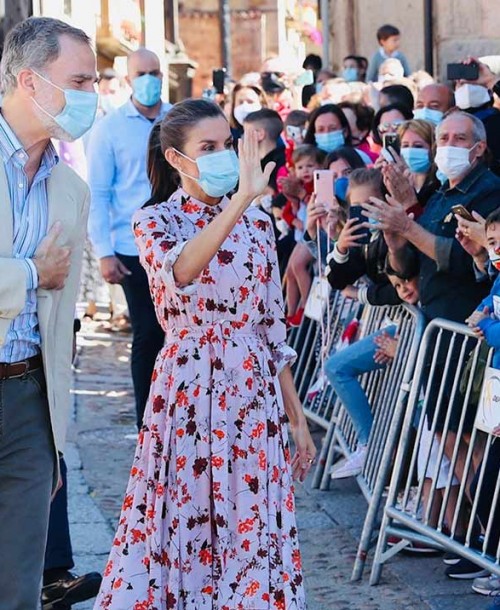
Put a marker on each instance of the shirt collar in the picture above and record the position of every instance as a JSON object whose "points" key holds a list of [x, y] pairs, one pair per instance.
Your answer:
{"points": [[12, 149], [386, 55], [9, 143], [131, 110], [472, 177]]}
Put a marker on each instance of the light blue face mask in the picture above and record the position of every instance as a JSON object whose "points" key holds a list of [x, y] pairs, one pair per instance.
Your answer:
{"points": [[78, 113], [441, 177], [147, 89], [219, 172], [341, 186], [427, 114], [330, 141], [350, 74], [417, 159]]}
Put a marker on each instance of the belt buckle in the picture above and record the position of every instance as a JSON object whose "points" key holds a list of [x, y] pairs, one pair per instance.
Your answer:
{"points": [[26, 367]]}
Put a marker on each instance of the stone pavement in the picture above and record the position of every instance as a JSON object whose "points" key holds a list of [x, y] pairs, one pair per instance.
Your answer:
{"points": [[99, 455]]}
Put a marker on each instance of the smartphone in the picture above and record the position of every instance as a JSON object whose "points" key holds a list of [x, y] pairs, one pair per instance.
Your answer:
{"points": [[306, 78], [356, 212], [463, 212], [324, 186], [391, 140], [219, 79], [463, 71]]}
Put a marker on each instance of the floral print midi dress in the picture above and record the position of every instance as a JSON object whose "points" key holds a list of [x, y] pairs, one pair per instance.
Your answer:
{"points": [[208, 518]]}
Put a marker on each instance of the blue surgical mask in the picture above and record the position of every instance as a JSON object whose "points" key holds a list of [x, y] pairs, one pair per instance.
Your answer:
{"points": [[427, 114], [350, 74], [219, 172], [441, 177], [147, 89], [330, 141], [417, 159], [341, 185], [78, 113]]}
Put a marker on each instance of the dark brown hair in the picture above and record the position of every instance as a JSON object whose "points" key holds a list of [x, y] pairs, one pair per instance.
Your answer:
{"points": [[172, 132], [308, 150]]}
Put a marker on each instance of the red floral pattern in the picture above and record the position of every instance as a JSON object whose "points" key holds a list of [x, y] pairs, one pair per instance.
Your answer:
{"points": [[208, 517]]}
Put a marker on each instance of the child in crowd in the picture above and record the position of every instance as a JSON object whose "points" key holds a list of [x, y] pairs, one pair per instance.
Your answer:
{"points": [[389, 39], [306, 159], [486, 323]]}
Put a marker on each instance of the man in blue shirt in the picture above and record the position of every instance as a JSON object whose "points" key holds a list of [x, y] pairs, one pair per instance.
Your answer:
{"points": [[119, 185]]}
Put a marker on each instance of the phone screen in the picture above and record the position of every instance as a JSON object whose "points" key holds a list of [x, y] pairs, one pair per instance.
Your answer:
{"points": [[392, 140]]}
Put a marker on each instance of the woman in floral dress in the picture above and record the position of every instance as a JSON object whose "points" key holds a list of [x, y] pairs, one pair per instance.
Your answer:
{"points": [[208, 518]]}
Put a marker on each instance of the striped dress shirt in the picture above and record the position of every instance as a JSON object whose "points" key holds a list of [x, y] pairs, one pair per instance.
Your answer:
{"points": [[29, 221]]}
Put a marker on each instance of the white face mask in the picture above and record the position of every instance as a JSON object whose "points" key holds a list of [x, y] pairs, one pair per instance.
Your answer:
{"points": [[453, 161], [243, 110], [471, 96]]}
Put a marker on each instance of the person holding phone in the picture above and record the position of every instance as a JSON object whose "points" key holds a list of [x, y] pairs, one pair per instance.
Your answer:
{"points": [[351, 259], [306, 159], [387, 120], [211, 484], [449, 285]]}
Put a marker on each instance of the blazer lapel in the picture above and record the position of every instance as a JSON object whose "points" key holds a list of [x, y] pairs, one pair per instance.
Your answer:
{"points": [[6, 227]]}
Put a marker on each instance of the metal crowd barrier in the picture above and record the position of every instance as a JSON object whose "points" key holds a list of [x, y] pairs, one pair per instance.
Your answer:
{"points": [[441, 406], [387, 391]]}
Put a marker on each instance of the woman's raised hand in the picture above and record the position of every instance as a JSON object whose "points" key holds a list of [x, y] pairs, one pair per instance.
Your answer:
{"points": [[253, 180]]}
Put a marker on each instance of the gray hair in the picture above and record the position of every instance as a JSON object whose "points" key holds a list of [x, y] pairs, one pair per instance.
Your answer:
{"points": [[478, 130], [33, 43]]}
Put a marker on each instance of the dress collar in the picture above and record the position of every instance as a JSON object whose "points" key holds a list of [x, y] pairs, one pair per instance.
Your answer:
{"points": [[191, 206]]}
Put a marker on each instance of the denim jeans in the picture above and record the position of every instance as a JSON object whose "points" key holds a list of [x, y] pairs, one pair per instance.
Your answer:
{"points": [[343, 370], [148, 336], [58, 552], [27, 462]]}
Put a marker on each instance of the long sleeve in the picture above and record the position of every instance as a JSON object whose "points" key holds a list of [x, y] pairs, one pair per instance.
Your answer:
{"points": [[341, 275], [14, 282], [159, 249], [373, 66], [491, 331], [273, 326], [405, 64], [101, 177]]}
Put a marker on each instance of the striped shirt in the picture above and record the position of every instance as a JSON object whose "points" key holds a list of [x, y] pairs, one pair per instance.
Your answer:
{"points": [[29, 221]]}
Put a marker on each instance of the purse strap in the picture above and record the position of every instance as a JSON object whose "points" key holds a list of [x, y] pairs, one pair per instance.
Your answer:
{"points": [[325, 332]]}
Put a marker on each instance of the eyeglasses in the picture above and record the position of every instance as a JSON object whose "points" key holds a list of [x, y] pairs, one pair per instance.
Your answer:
{"points": [[389, 127]]}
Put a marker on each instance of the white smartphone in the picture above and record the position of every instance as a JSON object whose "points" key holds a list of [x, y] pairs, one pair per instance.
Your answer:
{"points": [[324, 186]]}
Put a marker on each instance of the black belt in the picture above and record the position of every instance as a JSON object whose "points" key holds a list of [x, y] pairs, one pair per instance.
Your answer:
{"points": [[18, 369]]}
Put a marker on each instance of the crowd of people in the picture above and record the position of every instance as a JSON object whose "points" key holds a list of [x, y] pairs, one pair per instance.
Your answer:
{"points": [[217, 254]]}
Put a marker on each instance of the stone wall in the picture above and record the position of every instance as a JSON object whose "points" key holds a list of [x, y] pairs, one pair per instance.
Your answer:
{"points": [[461, 27]]}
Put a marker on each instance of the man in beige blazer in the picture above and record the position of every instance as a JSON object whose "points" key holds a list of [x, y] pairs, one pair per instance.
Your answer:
{"points": [[47, 77]]}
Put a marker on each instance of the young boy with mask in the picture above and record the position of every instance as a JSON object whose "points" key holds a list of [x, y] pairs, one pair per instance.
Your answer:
{"points": [[486, 319], [389, 39]]}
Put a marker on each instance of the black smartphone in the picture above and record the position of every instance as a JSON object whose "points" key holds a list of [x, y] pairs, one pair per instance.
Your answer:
{"points": [[463, 71], [356, 212], [463, 212], [392, 140], [219, 79]]}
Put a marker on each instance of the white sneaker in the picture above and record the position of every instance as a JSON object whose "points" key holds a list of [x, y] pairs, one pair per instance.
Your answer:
{"points": [[488, 585], [351, 466]]}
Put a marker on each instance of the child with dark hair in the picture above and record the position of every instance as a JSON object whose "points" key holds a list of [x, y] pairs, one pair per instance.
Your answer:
{"points": [[306, 159], [389, 39]]}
